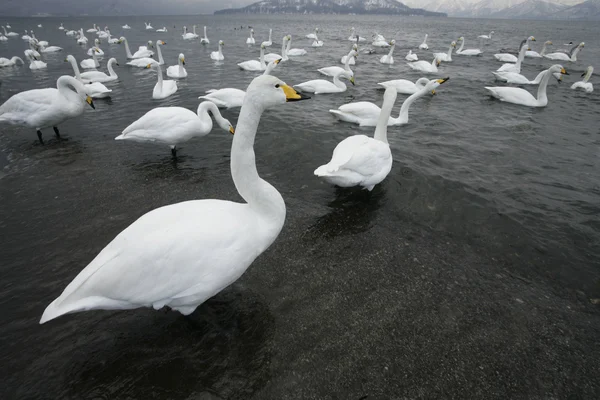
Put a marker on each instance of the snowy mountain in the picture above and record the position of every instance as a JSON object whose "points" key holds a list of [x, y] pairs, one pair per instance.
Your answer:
{"points": [[590, 10], [445, 6], [498, 8], [329, 7], [530, 9]]}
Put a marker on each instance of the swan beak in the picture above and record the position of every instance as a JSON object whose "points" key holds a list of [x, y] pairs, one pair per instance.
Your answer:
{"points": [[585, 72], [440, 81], [564, 72], [433, 92], [277, 61], [117, 64], [231, 130], [149, 66], [88, 100], [292, 95], [352, 81]]}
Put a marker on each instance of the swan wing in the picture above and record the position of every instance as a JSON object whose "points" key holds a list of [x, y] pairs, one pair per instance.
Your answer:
{"points": [[250, 65], [271, 57], [142, 62], [316, 85], [511, 77], [512, 95], [402, 86], [168, 125], [94, 75], [362, 109], [227, 97], [330, 71], [558, 56], [30, 107]]}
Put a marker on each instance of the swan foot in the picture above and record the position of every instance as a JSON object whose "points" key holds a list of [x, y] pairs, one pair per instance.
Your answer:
{"points": [[39, 133], [56, 132], [174, 151]]}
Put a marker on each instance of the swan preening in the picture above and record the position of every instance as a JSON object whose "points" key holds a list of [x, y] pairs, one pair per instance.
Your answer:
{"points": [[45, 108], [173, 126], [181, 255], [523, 97], [584, 84]]}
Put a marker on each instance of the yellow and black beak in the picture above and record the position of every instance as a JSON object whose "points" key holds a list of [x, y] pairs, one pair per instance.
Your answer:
{"points": [[564, 72], [533, 39], [231, 130], [277, 61], [183, 61], [292, 95], [89, 100], [163, 43], [584, 72], [149, 66], [433, 92], [352, 81], [440, 81]]}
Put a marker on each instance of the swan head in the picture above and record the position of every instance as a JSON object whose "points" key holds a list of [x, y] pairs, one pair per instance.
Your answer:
{"points": [[557, 68], [588, 70], [97, 41], [150, 44], [460, 39], [432, 85], [548, 43], [355, 47], [268, 91], [182, 58], [113, 61], [531, 38], [161, 42], [348, 75], [582, 44], [316, 30], [89, 100], [70, 58], [122, 39], [221, 43], [392, 42]]}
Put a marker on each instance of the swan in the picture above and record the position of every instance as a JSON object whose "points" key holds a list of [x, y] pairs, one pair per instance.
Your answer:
{"points": [[404, 86], [144, 61], [71, 33], [317, 42], [254, 65], [268, 43], [388, 58], [218, 55], [98, 76], [360, 160], [486, 37], [9, 34], [92, 30], [424, 66], [320, 86], [163, 88], [380, 41], [26, 36], [103, 34], [365, 113], [112, 40], [584, 84], [143, 52], [507, 57], [424, 46], [8, 26], [354, 37], [34, 63], [411, 56], [61, 27], [313, 35], [163, 29], [96, 48], [331, 71], [5, 62], [468, 52], [250, 40], [205, 40], [50, 49], [274, 56], [523, 97], [541, 54], [293, 52], [182, 254], [126, 26], [350, 58], [39, 25], [517, 79], [515, 67], [177, 71], [572, 56], [45, 108], [148, 26], [82, 39], [173, 126], [189, 35], [446, 57], [90, 63]]}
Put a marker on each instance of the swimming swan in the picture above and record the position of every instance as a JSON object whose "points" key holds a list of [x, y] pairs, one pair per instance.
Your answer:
{"points": [[404, 86], [541, 54], [388, 58], [178, 71], [517, 79], [446, 57], [5, 62], [424, 46], [293, 52], [351, 59], [584, 84], [319, 86], [274, 56], [510, 58], [424, 66], [251, 40], [254, 65], [218, 55], [411, 56], [468, 52], [90, 63], [144, 61], [354, 37], [142, 52], [268, 43], [572, 56], [204, 40], [98, 76], [182, 254], [508, 67], [313, 35], [95, 90], [163, 88], [331, 71]]}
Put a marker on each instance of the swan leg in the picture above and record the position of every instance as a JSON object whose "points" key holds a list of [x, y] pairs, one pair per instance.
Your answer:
{"points": [[56, 132], [174, 151], [39, 133]]}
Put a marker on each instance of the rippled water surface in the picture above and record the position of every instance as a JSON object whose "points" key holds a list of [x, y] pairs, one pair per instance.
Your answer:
{"points": [[363, 294]]}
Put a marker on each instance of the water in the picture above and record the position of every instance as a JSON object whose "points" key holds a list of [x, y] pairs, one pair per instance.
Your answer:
{"points": [[468, 272]]}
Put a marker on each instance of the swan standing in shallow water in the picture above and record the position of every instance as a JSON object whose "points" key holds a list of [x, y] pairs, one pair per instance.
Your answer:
{"points": [[163, 88], [424, 45], [446, 57], [511, 58], [584, 84], [360, 160], [541, 54], [178, 71], [388, 58], [572, 56], [5, 62], [182, 254], [333, 70], [411, 56], [95, 90], [467, 52], [96, 49], [365, 113], [204, 40], [173, 126], [98, 76], [320, 86], [424, 66], [404, 86], [144, 61], [218, 55], [254, 65], [274, 56], [45, 108], [523, 97], [251, 40]]}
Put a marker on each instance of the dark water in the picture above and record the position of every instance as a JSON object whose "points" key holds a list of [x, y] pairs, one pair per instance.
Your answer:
{"points": [[470, 272]]}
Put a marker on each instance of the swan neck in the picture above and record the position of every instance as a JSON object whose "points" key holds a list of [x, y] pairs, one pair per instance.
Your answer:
{"points": [[391, 50], [574, 55], [160, 77], [160, 57], [462, 44], [543, 50], [450, 52], [384, 116], [71, 89], [111, 71], [263, 65], [403, 116], [539, 77], [205, 32], [347, 62], [337, 82], [209, 107], [75, 68], [127, 51], [588, 75], [541, 95]]}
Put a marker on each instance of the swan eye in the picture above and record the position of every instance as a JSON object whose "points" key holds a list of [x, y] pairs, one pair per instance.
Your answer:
{"points": [[277, 86]]}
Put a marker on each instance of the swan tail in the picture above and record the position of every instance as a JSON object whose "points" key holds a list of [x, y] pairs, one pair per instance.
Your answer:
{"points": [[120, 137], [60, 307]]}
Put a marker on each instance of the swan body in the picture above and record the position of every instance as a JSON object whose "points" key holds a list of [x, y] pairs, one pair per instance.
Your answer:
{"points": [[510, 58], [424, 46], [3, 38], [268, 43], [148, 26], [225, 98], [446, 57], [360, 160], [9, 34], [143, 62], [95, 90], [388, 58], [572, 56], [380, 41], [535, 54], [523, 97], [254, 65], [92, 30], [182, 254], [411, 56], [61, 27], [486, 37], [90, 63], [332, 71], [163, 29], [126, 26], [45, 108], [354, 37], [204, 40], [98, 76], [34, 63], [143, 51], [293, 52], [274, 56], [5, 62], [404, 86], [71, 33], [517, 66], [320, 86], [163, 88], [178, 71], [218, 55], [424, 66], [251, 40], [350, 58], [26, 36], [96, 48], [317, 42], [82, 39], [365, 113], [584, 84], [313, 35], [517, 79], [189, 35], [50, 49], [112, 40], [467, 52]]}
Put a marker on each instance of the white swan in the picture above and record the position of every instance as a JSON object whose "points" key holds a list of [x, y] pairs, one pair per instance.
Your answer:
{"points": [[126, 26], [467, 52], [143, 51], [112, 40], [163, 88], [424, 66], [61, 27], [354, 37], [424, 46], [82, 39], [189, 35], [26, 36], [9, 34], [523, 97], [360, 160], [163, 29], [268, 43], [96, 48], [350, 58], [98, 76], [71, 33], [90, 63], [3, 38], [411, 56], [535, 54], [446, 57], [274, 56], [486, 37], [218, 55], [144, 61], [205, 40], [508, 67], [517, 79], [148, 26], [319, 86], [254, 65], [5, 62], [50, 49], [388, 58], [173, 126], [92, 30], [584, 84], [177, 71], [511, 58], [313, 35], [404, 86], [572, 56], [39, 25], [95, 90], [365, 113], [380, 41], [293, 52], [45, 108], [182, 254], [333, 70], [103, 34], [317, 42], [251, 40], [34, 63]]}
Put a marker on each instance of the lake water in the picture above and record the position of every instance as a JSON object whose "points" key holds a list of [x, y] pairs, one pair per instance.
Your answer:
{"points": [[470, 272]]}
